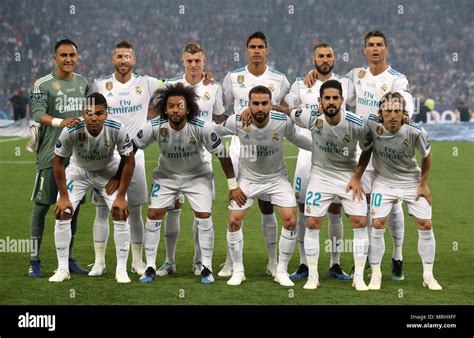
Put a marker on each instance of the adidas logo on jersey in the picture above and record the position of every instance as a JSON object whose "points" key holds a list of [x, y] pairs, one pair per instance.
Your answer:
{"points": [[358, 82], [309, 91], [60, 92], [110, 94], [242, 86]]}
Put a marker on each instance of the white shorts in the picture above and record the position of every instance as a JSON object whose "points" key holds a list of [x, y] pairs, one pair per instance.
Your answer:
{"points": [[234, 150], [322, 192], [78, 181], [137, 190], [197, 189], [384, 196], [278, 191]]}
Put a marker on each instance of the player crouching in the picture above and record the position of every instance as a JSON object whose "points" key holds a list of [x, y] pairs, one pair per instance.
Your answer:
{"points": [[91, 145]]}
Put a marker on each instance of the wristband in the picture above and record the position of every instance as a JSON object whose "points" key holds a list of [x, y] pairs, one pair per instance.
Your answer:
{"points": [[232, 183], [56, 122]]}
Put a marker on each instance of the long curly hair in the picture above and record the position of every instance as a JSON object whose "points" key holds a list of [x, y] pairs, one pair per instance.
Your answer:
{"points": [[160, 99]]}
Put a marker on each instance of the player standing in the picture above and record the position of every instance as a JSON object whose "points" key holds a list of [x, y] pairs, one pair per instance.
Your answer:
{"points": [[56, 102], [236, 87], [398, 177], [128, 96]]}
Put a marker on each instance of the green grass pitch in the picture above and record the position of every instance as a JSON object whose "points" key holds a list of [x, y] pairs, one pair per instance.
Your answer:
{"points": [[451, 183]]}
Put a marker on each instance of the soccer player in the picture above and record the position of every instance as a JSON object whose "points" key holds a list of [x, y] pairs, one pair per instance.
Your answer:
{"points": [[211, 108], [334, 171], [56, 101], [236, 87], [91, 144], [128, 96], [301, 96], [398, 177], [182, 169], [366, 86], [263, 171]]}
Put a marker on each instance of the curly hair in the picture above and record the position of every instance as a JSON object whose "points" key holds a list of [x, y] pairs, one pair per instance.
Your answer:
{"points": [[160, 99]]}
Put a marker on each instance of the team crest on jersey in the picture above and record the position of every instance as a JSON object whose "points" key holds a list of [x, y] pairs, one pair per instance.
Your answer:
{"points": [[207, 96], [164, 132], [275, 137], [107, 144], [81, 136], [319, 123], [308, 209], [192, 140], [361, 74], [405, 142], [346, 138], [297, 195], [56, 85], [379, 130], [138, 90], [109, 85], [240, 79], [384, 87], [271, 87]]}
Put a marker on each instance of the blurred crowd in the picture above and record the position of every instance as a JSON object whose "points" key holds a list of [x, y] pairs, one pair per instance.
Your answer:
{"points": [[430, 41]]}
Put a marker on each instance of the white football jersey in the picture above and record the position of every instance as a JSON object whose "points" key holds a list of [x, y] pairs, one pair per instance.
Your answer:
{"points": [[303, 97], [261, 149], [182, 151], [210, 97], [394, 154], [238, 83], [94, 153], [334, 147], [128, 102], [365, 90]]}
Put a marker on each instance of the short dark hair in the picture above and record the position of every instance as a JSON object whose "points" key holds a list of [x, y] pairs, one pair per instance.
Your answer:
{"points": [[322, 45], [375, 33], [330, 84], [160, 99], [392, 97], [257, 35], [64, 42], [193, 48], [260, 90], [95, 99], [124, 44]]}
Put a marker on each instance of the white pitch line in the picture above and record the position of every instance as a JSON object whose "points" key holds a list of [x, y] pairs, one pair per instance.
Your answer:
{"points": [[33, 162], [12, 139]]}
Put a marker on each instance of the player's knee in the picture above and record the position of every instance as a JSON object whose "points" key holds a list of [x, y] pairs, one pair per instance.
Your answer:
{"points": [[378, 223], [156, 214], [202, 214], [265, 207], [358, 221], [234, 223], [423, 224], [334, 208], [313, 222], [289, 222]]}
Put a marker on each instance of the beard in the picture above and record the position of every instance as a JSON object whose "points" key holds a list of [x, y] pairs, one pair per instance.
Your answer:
{"points": [[327, 69], [259, 118], [330, 114]]}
